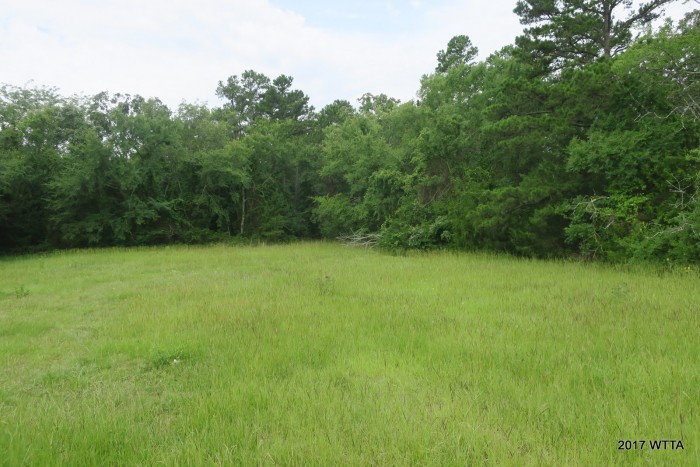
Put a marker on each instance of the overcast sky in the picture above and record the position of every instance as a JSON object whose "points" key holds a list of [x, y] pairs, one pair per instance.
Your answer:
{"points": [[179, 50]]}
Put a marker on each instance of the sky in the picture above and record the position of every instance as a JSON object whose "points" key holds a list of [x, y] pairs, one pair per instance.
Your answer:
{"points": [[179, 50]]}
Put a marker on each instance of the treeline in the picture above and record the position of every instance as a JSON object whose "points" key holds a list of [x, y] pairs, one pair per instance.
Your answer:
{"points": [[577, 140]]}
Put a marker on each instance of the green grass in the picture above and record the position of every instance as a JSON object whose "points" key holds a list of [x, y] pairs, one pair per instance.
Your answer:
{"points": [[317, 354]]}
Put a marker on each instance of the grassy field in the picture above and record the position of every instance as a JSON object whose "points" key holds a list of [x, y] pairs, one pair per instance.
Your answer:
{"points": [[317, 354]]}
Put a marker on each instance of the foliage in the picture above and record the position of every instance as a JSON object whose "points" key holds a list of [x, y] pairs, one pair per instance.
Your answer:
{"points": [[460, 51], [581, 139], [566, 33]]}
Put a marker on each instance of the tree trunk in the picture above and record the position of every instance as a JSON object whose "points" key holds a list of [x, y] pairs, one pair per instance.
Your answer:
{"points": [[607, 28], [243, 199]]}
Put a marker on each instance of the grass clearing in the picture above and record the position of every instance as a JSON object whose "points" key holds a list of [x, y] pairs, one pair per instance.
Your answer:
{"points": [[316, 354]]}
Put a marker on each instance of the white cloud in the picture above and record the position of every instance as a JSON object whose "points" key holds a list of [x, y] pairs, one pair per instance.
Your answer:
{"points": [[392, 10], [177, 49]]}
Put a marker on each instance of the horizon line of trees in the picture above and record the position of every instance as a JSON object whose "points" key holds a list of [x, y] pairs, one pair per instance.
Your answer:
{"points": [[581, 139]]}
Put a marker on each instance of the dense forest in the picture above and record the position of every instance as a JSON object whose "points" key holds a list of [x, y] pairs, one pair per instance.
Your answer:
{"points": [[581, 139]]}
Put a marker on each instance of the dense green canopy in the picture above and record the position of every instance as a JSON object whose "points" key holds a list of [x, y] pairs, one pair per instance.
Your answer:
{"points": [[580, 139]]}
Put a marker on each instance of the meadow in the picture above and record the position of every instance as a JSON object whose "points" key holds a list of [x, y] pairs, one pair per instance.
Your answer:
{"points": [[319, 354]]}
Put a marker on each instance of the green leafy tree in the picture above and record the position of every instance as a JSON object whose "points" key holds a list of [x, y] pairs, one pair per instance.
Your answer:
{"points": [[639, 156], [243, 97], [35, 127], [335, 113], [565, 33], [460, 51], [377, 104], [254, 96], [354, 154], [280, 102]]}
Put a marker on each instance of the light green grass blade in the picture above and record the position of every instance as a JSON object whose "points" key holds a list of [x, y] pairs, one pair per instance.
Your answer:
{"points": [[316, 354]]}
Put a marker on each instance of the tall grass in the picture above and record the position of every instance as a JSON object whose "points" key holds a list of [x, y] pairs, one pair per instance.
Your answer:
{"points": [[316, 354]]}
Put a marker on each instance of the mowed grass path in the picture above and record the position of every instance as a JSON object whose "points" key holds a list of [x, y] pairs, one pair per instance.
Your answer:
{"points": [[317, 354]]}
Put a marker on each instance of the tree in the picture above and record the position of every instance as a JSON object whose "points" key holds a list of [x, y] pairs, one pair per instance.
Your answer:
{"points": [[254, 96], [35, 127], [377, 104], [460, 51], [85, 201], [354, 153], [640, 156], [280, 102], [244, 96], [335, 113], [564, 33]]}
